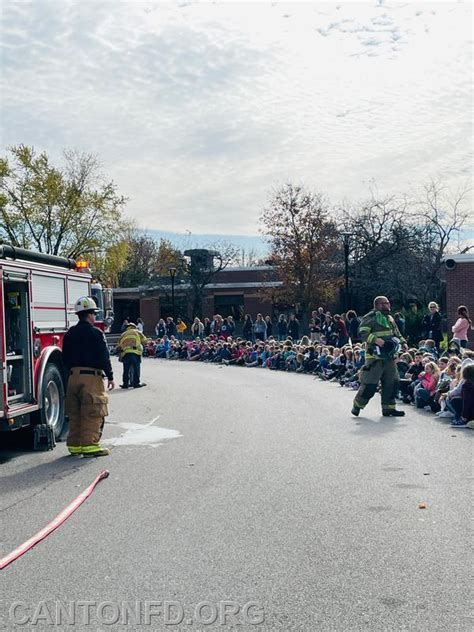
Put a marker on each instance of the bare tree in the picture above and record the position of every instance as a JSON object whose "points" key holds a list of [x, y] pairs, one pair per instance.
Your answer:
{"points": [[442, 214], [248, 258], [304, 242], [397, 243], [202, 265]]}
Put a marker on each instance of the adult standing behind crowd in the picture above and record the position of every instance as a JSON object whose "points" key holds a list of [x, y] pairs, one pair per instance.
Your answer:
{"points": [[130, 345], [181, 328], [197, 329], [260, 328], [400, 322], [170, 327], [247, 330], [160, 328], [314, 327], [228, 327], [328, 330], [294, 328], [413, 325], [282, 327], [86, 356], [341, 330], [461, 327], [216, 325], [269, 323], [431, 324], [379, 331], [353, 322], [140, 325]]}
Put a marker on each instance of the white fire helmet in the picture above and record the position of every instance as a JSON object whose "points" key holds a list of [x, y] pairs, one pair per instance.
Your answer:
{"points": [[85, 304]]}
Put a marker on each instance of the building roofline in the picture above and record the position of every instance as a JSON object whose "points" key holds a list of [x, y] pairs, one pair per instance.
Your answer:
{"points": [[246, 268], [466, 257], [209, 286], [243, 284]]}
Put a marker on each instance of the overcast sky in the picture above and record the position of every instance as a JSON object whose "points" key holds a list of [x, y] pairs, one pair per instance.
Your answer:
{"points": [[198, 109]]}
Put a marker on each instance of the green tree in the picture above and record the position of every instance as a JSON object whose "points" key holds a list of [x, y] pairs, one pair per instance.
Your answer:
{"points": [[304, 243], [108, 265], [148, 260], [169, 257], [69, 211]]}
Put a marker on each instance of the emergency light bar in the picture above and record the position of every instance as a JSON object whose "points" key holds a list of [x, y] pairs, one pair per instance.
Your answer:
{"points": [[82, 264]]}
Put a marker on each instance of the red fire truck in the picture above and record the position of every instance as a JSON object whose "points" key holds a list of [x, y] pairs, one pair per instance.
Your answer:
{"points": [[37, 296]]}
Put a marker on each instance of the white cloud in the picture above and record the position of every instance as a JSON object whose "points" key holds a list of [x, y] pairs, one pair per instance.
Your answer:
{"points": [[198, 109]]}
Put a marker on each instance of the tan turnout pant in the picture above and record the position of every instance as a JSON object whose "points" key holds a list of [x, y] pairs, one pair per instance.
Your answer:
{"points": [[86, 407]]}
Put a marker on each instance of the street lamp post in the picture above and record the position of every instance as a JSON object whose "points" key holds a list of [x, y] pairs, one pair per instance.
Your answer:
{"points": [[172, 275], [346, 237]]}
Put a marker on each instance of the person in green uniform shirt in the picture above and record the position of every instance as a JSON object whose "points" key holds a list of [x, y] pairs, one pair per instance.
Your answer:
{"points": [[383, 338]]}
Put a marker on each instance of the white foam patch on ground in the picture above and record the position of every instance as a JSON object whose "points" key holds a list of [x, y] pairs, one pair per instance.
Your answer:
{"points": [[142, 434]]}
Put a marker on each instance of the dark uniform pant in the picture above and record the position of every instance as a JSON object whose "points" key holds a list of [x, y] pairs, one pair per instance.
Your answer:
{"points": [[86, 407], [131, 369], [373, 372]]}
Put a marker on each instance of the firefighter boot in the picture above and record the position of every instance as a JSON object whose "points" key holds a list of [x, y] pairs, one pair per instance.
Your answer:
{"points": [[99, 451]]}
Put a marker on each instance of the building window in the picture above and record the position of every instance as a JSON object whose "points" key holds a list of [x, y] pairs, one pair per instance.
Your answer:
{"points": [[229, 305]]}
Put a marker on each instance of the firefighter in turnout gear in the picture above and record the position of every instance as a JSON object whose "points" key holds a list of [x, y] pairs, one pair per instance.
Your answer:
{"points": [[382, 337], [130, 345], [87, 359]]}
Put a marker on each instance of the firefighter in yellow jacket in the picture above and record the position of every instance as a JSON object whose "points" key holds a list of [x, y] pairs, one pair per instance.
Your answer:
{"points": [[86, 357], [382, 337], [130, 345]]}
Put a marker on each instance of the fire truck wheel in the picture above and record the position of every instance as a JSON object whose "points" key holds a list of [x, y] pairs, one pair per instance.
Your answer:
{"points": [[52, 406]]}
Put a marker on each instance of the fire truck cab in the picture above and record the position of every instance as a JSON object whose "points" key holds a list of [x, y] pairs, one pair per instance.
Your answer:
{"points": [[37, 297]]}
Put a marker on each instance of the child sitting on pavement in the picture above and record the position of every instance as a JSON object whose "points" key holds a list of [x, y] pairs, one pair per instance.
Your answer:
{"points": [[465, 409], [467, 394], [426, 389]]}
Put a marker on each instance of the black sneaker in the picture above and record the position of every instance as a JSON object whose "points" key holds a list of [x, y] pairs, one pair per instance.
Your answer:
{"points": [[123, 386], [139, 385], [393, 413], [355, 411]]}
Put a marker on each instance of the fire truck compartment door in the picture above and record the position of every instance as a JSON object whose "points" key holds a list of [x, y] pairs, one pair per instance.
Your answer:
{"points": [[17, 374], [48, 301], [75, 289], [15, 276]]}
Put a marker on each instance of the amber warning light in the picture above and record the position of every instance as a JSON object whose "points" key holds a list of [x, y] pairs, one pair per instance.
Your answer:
{"points": [[82, 264]]}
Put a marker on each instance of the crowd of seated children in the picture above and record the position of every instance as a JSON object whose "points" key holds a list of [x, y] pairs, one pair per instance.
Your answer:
{"points": [[442, 385]]}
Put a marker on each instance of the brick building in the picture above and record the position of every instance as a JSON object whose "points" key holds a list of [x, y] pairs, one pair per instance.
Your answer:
{"points": [[233, 291], [238, 291], [459, 283]]}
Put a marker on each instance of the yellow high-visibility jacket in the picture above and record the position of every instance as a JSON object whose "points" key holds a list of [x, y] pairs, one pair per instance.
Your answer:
{"points": [[131, 341]]}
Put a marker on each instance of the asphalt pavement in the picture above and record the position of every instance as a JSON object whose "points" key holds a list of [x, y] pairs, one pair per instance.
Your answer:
{"points": [[268, 508]]}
